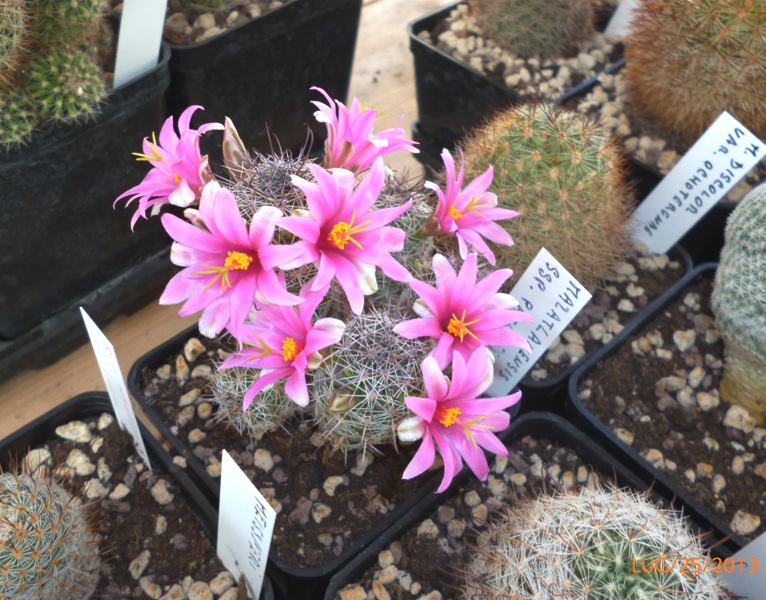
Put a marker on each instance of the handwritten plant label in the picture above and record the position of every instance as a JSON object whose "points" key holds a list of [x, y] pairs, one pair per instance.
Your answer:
{"points": [[712, 166], [553, 297], [745, 572], [115, 384], [619, 24], [139, 40], [245, 524]]}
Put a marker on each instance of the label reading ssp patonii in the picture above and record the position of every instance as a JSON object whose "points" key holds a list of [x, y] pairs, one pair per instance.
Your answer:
{"points": [[712, 166], [115, 384], [553, 297], [619, 24], [245, 524], [745, 572], [139, 39]]}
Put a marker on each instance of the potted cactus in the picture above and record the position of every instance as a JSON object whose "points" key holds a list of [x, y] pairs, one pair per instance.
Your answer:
{"points": [[59, 125]]}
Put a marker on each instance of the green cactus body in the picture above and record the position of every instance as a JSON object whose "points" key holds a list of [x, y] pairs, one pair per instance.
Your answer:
{"points": [[359, 389], [689, 61], [17, 119], [65, 87], [739, 304], [48, 548], [13, 32], [195, 6], [565, 177], [68, 23], [595, 544], [530, 28]]}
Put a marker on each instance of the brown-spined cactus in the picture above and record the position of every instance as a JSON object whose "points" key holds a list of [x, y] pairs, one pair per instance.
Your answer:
{"points": [[690, 60], [591, 544], [530, 28], [565, 177], [48, 543], [14, 20], [739, 304]]}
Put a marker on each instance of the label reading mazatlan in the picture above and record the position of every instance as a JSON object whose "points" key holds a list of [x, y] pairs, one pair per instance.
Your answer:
{"points": [[553, 297], [712, 166]]}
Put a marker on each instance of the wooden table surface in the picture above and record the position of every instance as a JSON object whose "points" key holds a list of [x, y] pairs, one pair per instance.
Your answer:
{"points": [[382, 76]]}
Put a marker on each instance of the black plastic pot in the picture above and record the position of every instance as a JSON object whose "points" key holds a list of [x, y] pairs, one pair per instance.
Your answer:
{"points": [[62, 244], [290, 582], [259, 73], [585, 419], [539, 424], [89, 406]]}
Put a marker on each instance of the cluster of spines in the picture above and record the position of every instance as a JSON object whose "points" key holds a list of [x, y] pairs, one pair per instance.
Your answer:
{"points": [[17, 118], [67, 23], [565, 177], [196, 6], [13, 23]]}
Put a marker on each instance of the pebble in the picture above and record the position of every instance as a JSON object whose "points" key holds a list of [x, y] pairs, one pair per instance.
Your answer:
{"points": [[179, 461], [708, 401], [35, 458], [161, 492], [185, 415], [737, 465], [428, 529], [435, 595], [150, 588], [654, 457], [104, 421], [696, 376], [690, 475], [119, 492], [182, 370], [103, 470], [455, 528], [385, 559], [94, 489], [75, 431], [164, 372], [138, 565], [518, 479], [597, 331], [760, 470], [78, 460], [625, 435], [221, 582], [673, 383], [202, 372], [331, 484], [199, 590], [479, 514], [573, 337], [363, 460], [472, 499], [379, 591], [96, 443], [176, 592], [684, 339], [160, 525], [301, 513], [388, 574], [196, 435], [354, 593], [204, 21], [719, 482], [625, 305], [744, 523], [319, 512], [189, 397], [705, 470], [739, 418]]}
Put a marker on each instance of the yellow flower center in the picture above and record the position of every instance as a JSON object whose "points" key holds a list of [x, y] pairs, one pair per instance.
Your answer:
{"points": [[177, 177], [341, 234], [289, 349], [237, 261], [459, 328], [454, 213], [447, 416]]}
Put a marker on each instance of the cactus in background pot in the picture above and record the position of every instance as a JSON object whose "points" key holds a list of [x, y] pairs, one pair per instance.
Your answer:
{"points": [[70, 23], [689, 61], [201, 5], [593, 543], [565, 177], [739, 304], [13, 22], [533, 28], [48, 544]]}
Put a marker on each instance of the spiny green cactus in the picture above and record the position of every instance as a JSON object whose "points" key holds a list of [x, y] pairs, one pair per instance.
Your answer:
{"points": [[565, 177], [194, 6], [530, 28], [65, 87], [359, 389], [739, 304], [689, 61], [594, 544], [68, 23], [48, 546], [13, 29], [17, 119]]}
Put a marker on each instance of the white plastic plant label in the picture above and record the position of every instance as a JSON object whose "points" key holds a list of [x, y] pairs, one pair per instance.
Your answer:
{"points": [[139, 39], [245, 524], [115, 384], [619, 24], [742, 573], [712, 166], [553, 297]]}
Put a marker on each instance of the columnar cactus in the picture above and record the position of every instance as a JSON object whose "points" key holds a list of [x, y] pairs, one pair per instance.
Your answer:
{"points": [[565, 177], [689, 61], [533, 28], [599, 543], [48, 546], [739, 304]]}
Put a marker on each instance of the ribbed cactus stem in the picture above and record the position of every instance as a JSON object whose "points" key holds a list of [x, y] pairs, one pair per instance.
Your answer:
{"points": [[17, 119]]}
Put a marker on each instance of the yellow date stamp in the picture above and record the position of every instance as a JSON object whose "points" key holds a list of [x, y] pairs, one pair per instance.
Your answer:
{"points": [[697, 564]]}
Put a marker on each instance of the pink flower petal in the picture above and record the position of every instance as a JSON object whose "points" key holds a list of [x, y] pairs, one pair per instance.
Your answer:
{"points": [[423, 458]]}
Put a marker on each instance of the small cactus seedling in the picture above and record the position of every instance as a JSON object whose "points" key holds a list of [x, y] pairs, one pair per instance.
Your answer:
{"points": [[48, 546], [689, 61], [594, 544], [17, 119], [565, 177], [530, 28], [65, 87], [739, 304], [68, 23], [13, 30]]}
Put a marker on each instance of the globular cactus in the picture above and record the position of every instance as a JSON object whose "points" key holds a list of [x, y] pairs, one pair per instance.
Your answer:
{"points": [[739, 304], [565, 177], [534, 28], [594, 544], [689, 61], [65, 87], [68, 23], [359, 389], [14, 19], [48, 545], [17, 119]]}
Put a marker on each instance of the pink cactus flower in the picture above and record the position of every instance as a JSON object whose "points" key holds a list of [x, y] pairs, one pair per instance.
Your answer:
{"points": [[282, 342], [470, 213], [455, 418], [224, 270], [179, 171], [350, 142], [463, 314], [342, 235]]}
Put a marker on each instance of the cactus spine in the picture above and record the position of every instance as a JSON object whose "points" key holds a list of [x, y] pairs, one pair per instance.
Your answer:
{"points": [[201, 5], [565, 177], [527, 29], [17, 118], [588, 545], [68, 23], [739, 304], [13, 23], [689, 61], [48, 547]]}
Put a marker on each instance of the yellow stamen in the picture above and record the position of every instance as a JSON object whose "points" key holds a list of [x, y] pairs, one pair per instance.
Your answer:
{"points": [[155, 152], [459, 328], [472, 206], [177, 177], [454, 213], [447, 416], [473, 423], [235, 261], [289, 349], [261, 345], [340, 234]]}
